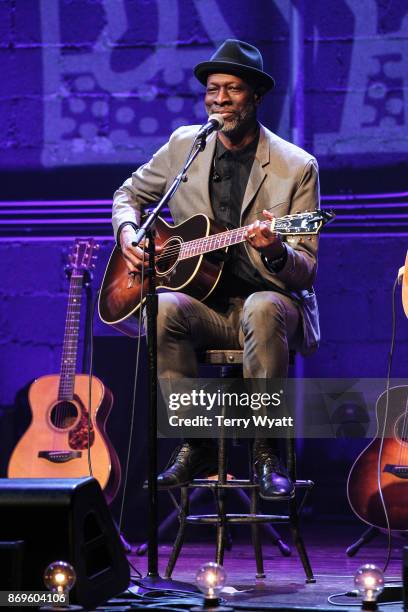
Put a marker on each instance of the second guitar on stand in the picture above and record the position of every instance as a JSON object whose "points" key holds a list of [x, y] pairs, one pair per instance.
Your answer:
{"points": [[56, 443]]}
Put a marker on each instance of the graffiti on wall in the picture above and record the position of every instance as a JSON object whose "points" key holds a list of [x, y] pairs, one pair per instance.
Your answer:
{"points": [[115, 76], [375, 114]]}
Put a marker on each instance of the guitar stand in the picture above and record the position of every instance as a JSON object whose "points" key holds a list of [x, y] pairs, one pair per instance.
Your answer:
{"points": [[365, 538]]}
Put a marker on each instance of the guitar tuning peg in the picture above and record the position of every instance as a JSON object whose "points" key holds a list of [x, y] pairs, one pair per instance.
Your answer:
{"points": [[93, 266], [97, 246]]}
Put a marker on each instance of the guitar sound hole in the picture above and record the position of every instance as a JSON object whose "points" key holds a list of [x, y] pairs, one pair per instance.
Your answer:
{"points": [[169, 256], [63, 415], [401, 429]]}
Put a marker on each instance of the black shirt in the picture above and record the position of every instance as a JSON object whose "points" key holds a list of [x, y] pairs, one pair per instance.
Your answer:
{"points": [[228, 182]]}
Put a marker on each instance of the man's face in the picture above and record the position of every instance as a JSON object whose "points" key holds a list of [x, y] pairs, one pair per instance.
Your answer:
{"points": [[234, 99]]}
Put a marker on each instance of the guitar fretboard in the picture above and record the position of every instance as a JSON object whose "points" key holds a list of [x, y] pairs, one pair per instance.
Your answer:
{"points": [[70, 346], [214, 242]]}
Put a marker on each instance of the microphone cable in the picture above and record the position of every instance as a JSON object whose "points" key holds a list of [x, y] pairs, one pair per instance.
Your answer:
{"points": [[90, 376], [133, 404], [387, 397], [354, 593]]}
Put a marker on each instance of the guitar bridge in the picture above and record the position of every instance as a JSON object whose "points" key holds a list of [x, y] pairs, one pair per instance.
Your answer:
{"points": [[401, 471], [59, 456]]}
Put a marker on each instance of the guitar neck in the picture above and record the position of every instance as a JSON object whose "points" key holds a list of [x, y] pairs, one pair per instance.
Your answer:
{"points": [[214, 242], [71, 334]]}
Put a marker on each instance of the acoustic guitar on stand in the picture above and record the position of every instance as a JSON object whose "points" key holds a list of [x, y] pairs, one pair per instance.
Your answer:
{"points": [[363, 488], [390, 448], [185, 263], [56, 443]]}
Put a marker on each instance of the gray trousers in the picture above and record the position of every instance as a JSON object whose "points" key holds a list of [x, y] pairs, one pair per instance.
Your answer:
{"points": [[265, 325]]}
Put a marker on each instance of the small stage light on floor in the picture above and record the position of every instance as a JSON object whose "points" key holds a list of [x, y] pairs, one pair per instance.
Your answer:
{"points": [[59, 578], [210, 579], [369, 580]]}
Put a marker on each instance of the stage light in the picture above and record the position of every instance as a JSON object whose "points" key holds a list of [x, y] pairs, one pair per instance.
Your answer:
{"points": [[59, 577], [210, 579], [369, 580]]}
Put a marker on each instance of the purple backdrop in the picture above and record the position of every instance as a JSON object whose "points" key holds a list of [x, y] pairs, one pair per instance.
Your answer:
{"points": [[104, 81]]}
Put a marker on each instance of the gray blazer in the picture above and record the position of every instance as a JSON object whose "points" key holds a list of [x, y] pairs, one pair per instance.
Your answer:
{"points": [[284, 180]]}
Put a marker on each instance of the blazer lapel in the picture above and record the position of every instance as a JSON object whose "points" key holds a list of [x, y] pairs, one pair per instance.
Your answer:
{"points": [[258, 174]]}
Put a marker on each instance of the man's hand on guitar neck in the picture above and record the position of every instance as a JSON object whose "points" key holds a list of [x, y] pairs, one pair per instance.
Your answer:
{"points": [[134, 256], [261, 238]]}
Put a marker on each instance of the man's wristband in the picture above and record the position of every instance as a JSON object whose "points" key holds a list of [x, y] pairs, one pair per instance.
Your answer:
{"points": [[120, 228], [277, 264]]}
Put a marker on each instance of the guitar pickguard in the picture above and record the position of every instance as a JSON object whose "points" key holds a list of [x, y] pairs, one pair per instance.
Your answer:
{"points": [[78, 436]]}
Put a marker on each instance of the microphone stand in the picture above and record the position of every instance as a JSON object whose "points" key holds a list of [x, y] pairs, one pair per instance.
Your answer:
{"points": [[153, 578]]}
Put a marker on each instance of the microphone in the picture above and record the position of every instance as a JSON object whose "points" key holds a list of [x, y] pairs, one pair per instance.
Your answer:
{"points": [[214, 123]]}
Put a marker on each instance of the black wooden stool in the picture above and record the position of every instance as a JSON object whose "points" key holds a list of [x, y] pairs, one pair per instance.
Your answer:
{"points": [[220, 519]]}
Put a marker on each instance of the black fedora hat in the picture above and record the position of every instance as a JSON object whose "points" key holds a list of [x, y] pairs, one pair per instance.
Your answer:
{"points": [[238, 58]]}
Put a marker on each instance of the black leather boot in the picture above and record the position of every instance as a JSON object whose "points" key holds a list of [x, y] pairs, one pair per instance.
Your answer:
{"points": [[272, 476], [190, 460]]}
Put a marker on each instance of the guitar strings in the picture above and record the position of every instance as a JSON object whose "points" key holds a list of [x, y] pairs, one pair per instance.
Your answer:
{"points": [[72, 313], [60, 416], [174, 250], [235, 233], [68, 366]]}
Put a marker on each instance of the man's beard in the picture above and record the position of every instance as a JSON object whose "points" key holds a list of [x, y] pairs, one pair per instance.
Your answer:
{"points": [[238, 124]]}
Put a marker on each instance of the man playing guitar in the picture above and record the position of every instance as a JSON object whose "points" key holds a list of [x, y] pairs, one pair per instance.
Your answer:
{"points": [[264, 302]]}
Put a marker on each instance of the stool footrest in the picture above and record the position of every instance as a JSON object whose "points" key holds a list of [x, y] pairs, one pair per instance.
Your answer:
{"points": [[237, 483], [304, 483], [215, 519]]}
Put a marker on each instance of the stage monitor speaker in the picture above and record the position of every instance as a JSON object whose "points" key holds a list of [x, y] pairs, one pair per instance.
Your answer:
{"points": [[62, 520]]}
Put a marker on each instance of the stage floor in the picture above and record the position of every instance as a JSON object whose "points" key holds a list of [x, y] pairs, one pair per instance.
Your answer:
{"points": [[284, 586]]}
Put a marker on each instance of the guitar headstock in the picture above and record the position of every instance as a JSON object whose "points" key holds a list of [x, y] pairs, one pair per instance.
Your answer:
{"points": [[82, 256], [306, 223]]}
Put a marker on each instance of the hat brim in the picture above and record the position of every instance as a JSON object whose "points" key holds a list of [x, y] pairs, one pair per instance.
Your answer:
{"points": [[253, 75]]}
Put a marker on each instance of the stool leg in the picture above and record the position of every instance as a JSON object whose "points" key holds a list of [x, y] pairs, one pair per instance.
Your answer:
{"points": [[220, 543], [184, 509], [272, 533], [256, 540], [220, 502], [298, 541]]}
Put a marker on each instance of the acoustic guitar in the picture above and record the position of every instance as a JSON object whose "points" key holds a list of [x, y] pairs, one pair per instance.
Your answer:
{"points": [[362, 485], [56, 443], [405, 286], [363, 488], [185, 263]]}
